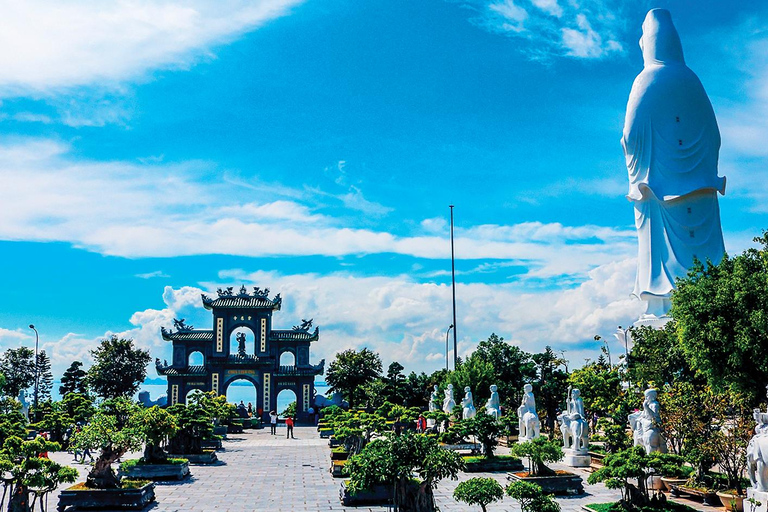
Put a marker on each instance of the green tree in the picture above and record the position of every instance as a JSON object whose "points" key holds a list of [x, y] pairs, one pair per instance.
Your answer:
{"points": [[531, 497], [486, 430], [395, 383], [352, 369], [539, 452], [24, 471], [512, 367], [552, 385], [73, 380], [417, 389], [657, 357], [78, 406], [155, 426], [54, 419], [395, 459], [475, 372], [111, 431], [18, 366], [119, 368], [721, 312], [44, 377], [479, 491], [600, 387]]}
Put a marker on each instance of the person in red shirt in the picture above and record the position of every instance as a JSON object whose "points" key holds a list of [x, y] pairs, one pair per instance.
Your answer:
{"points": [[289, 428], [421, 424]]}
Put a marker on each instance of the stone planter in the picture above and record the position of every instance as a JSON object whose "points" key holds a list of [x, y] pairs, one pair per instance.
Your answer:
{"points": [[465, 447], [326, 433], [235, 428], [156, 471], [669, 481], [207, 457], [333, 442], [338, 469], [339, 455], [380, 495], [213, 444], [730, 501], [560, 484], [707, 496], [489, 466], [220, 430], [81, 497]]}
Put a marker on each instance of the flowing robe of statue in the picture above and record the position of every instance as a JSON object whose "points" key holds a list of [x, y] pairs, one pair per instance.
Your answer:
{"points": [[671, 143], [449, 403], [467, 404]]}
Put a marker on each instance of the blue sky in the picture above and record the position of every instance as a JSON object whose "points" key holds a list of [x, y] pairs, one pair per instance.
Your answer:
{"points": [[153, 150]]}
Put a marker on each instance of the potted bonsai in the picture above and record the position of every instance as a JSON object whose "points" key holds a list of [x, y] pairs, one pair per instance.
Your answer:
{"points": [[730, 446], [486, 430], [386, 468], [531, 497], [154, 425], [24, 472], [112, 433], [539, 452], [195, 426]]}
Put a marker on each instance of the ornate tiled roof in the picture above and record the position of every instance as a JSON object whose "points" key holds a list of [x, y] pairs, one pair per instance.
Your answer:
{"points": [[189, 370], [228, 299], [191, 335], [294, 335]]}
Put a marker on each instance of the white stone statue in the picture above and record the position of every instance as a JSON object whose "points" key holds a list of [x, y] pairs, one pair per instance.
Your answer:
{"points": [[468, 407], [528, 419], [757, 461], [671, 143], [493, 405], [24, 404], [433, 400], [575, 430], [449, 403], [645, 425]]}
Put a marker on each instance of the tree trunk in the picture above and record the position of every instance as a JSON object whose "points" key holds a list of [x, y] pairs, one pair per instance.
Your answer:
{"points": [[414, 498], [153, 454], [19, 501], [102, 476]]}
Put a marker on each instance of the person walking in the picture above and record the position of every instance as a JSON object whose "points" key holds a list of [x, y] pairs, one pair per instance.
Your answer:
{"points": [[273, 422], [289, 428], [421, 424]]}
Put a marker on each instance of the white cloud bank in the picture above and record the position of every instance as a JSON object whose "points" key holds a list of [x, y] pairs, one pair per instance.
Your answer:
{"points": [[191, 208], [588, 29], [402, 319], [51, 45]]}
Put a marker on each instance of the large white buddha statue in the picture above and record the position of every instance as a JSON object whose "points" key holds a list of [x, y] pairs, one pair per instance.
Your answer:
{"points": [[671, 144]]}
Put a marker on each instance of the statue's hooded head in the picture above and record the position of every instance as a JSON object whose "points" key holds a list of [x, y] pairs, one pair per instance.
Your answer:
{"points": [[650, 394], [660, 42], [466, 389], [528, 388], [575, 393], [494, 388]]}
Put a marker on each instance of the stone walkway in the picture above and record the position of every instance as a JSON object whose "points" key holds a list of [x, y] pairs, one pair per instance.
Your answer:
{"points": [[271, 473]]}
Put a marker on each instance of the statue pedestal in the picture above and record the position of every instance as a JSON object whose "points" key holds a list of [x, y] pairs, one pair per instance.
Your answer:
{"points": [[657, 322], [760, 496], [576, 459]]}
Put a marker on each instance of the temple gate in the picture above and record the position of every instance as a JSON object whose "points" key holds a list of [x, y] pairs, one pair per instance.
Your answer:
{"points": [[228, 356]]}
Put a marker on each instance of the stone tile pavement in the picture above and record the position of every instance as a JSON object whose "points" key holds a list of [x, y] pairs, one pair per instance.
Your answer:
{"points": [[271, 473]]}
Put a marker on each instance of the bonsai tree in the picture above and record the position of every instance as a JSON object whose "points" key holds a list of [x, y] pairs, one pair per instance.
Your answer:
{"points": [[531, 497], [357, 430], [290, 411], [479, 491], [54, 419], [194, 426], [621, 469], [24, 472], [111, 432], [539, 451], [154, 425], [486, 430], [729, 443], [395, 459]]}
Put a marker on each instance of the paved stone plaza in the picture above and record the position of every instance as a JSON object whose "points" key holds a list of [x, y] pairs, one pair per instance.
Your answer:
{"points": [[271, 473]]}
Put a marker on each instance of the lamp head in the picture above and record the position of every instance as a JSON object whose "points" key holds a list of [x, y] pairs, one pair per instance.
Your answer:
{"points": [[31, 326]]}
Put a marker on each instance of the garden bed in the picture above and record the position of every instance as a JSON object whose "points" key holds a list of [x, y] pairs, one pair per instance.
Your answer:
{"points": [[339, 468], [380, 495], [561, 483], [615, 507], [497, 463], [207, 457], [135, 495], [177, 469], [709, 497]]}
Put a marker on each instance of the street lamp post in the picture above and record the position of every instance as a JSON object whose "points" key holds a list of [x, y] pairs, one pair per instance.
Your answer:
{"points": [[622, 334], [446, 346], [37, 340]]}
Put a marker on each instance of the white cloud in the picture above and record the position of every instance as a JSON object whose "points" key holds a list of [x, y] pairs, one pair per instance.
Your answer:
{"points": [[151, 275], [172, 209], [588, 29], [53, 45]]}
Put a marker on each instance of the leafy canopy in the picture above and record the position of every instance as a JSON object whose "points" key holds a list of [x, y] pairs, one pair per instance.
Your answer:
{"points": [[119, 368], [479, 491], [352, 369]]}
